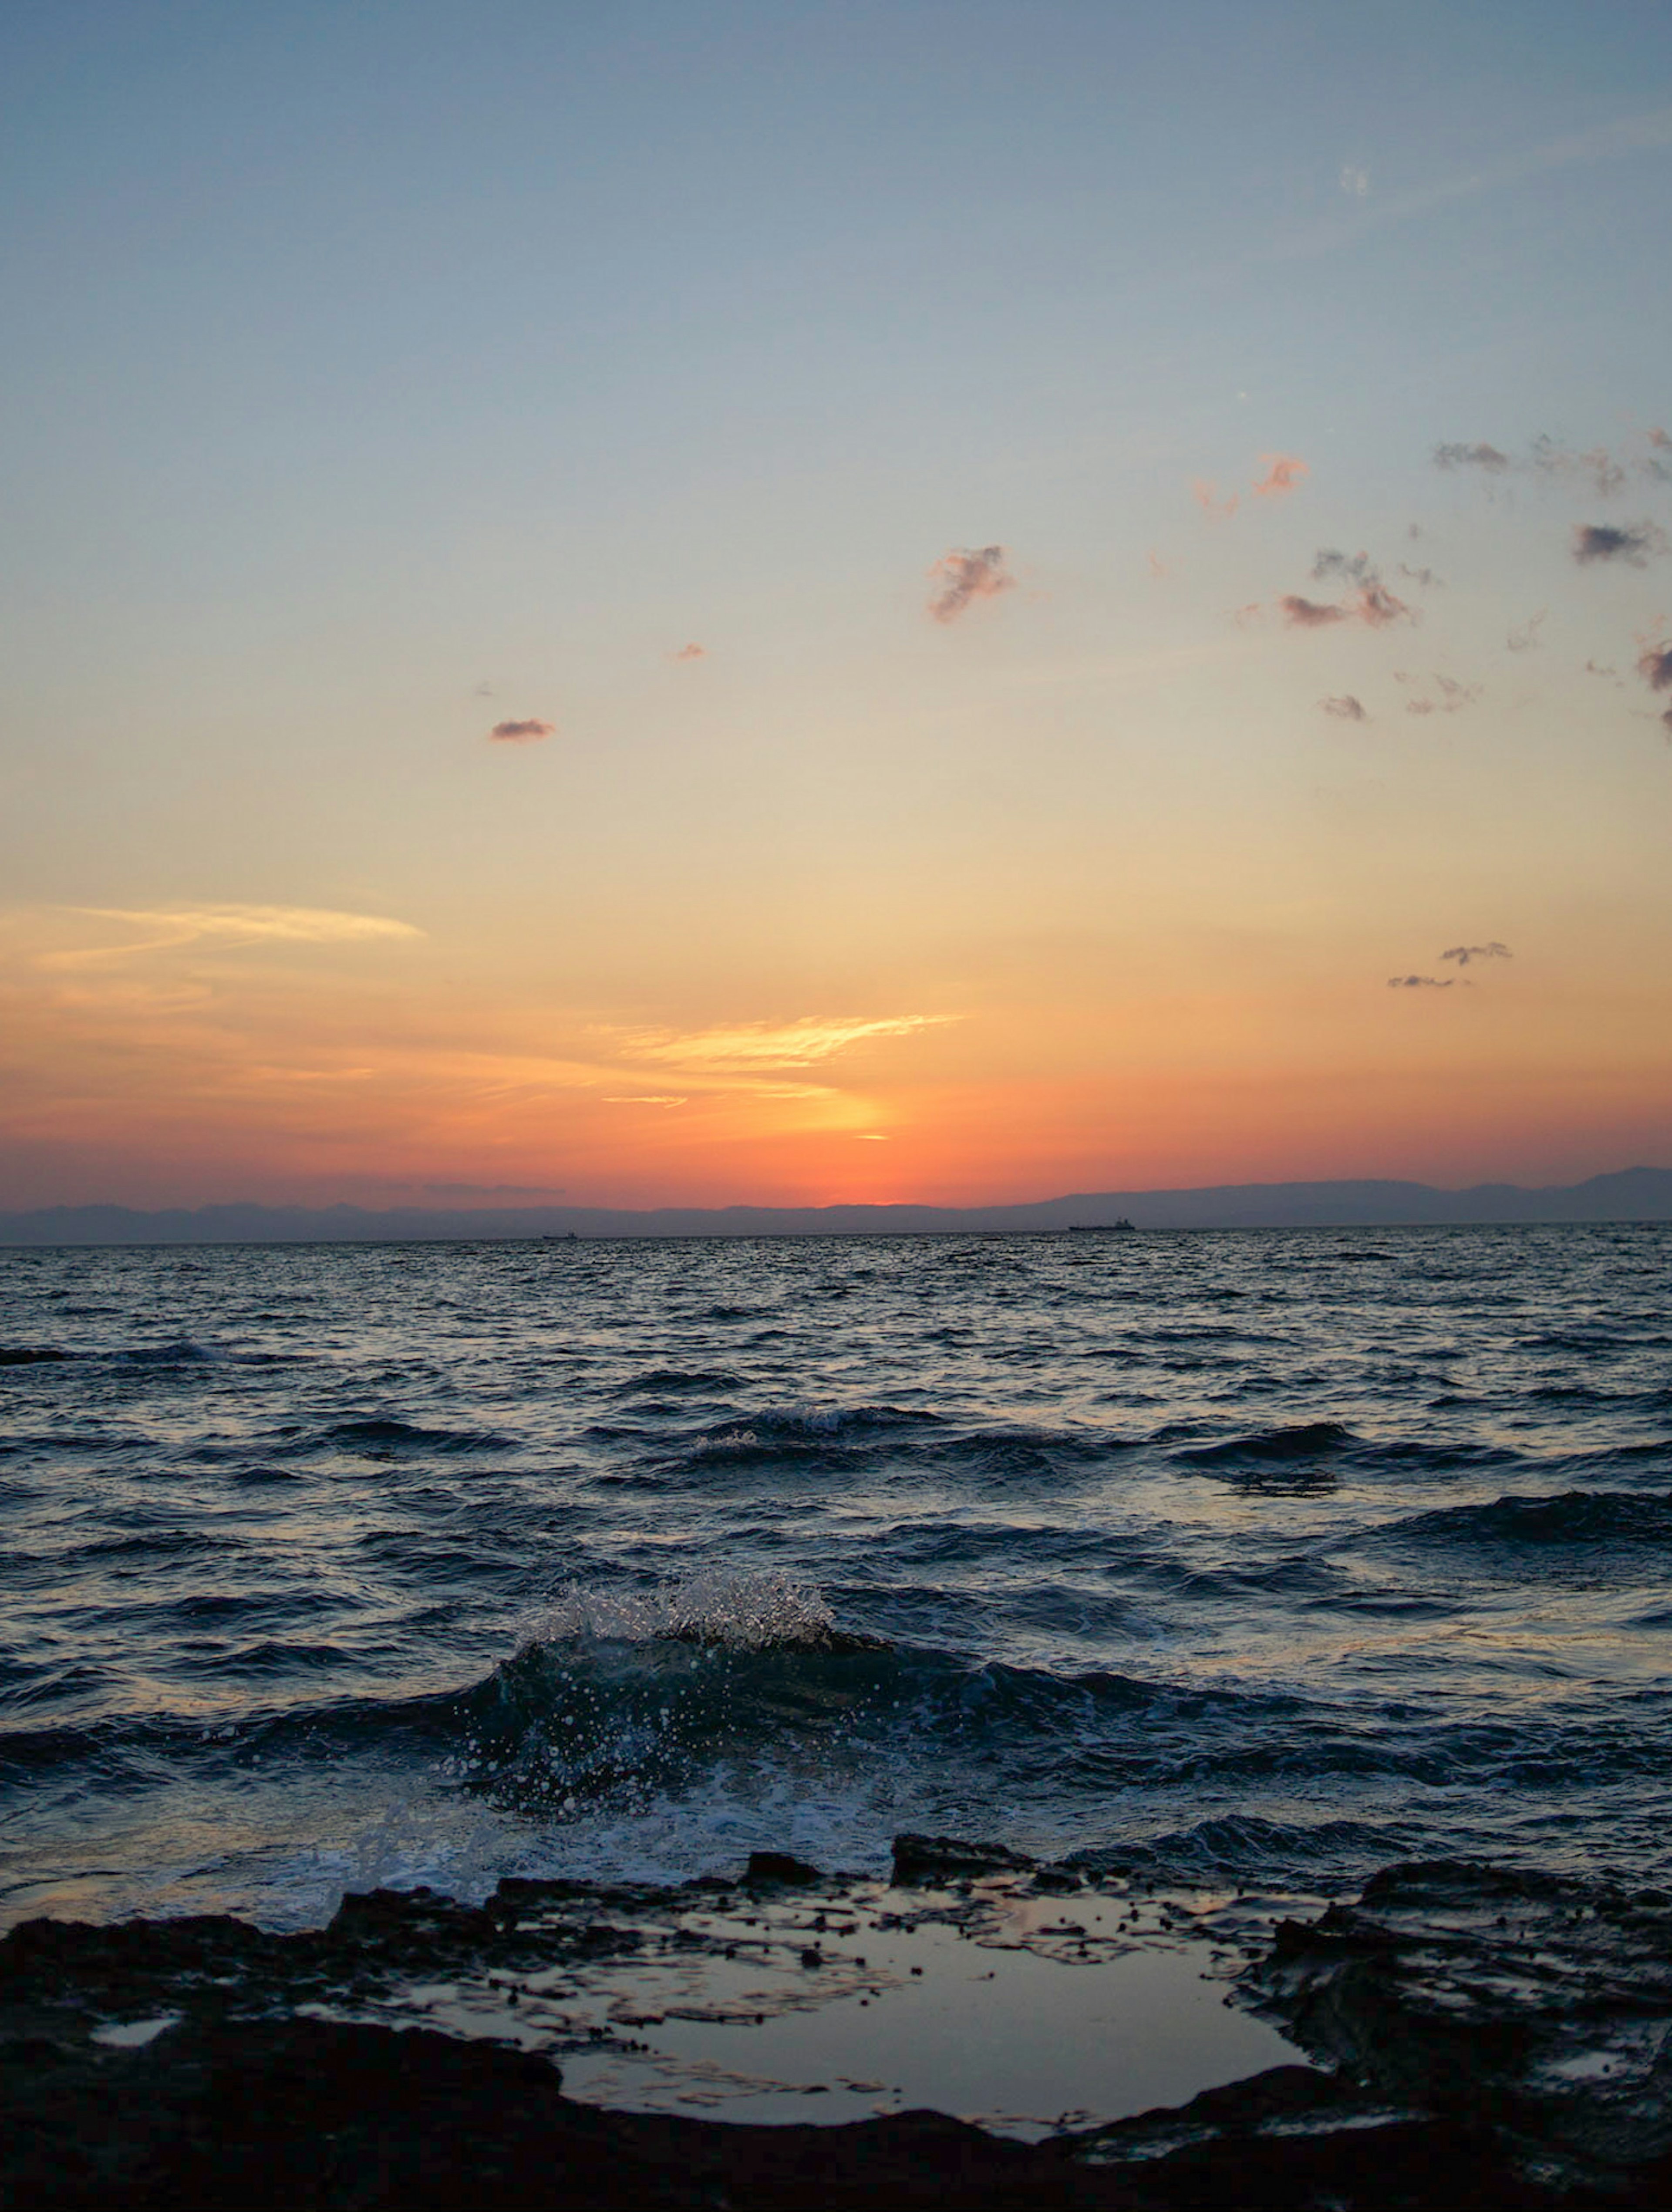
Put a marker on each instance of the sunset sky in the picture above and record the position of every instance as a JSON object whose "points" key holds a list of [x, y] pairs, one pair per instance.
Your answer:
{"points": [[710, 603]]}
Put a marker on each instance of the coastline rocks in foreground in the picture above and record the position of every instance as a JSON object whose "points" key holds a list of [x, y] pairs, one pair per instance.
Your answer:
{"points": [[1490, 2040]]}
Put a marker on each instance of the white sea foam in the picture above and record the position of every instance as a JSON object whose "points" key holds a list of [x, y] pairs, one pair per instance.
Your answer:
{"points": [[743, 1612]]}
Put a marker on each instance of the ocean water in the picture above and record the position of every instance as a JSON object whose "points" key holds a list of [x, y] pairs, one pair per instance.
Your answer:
{"points": [[1267, 1556]]}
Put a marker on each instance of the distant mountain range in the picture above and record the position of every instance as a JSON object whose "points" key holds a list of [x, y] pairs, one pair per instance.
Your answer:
{"points": [[1634, 1194]]}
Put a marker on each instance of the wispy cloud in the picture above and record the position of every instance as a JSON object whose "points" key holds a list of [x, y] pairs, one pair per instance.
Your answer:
{"points": [[1601, 472], [522, 733], [1636, 545], [1595, 471], [1465, 955], [166, 928], [1355, 181], [1424, 578], [1346, 708], [965, 574], [1526, 638], [690, 653], [1487, 459], [1420, 982], [1343, 567], [1205, 494], [799, 1043], [1630, 134], [645, 1098], [1283, 472], [1449, 696]]}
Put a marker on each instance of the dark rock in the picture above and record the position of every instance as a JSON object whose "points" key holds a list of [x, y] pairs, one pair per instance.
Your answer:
{"points": [[29, 1355], [945, 1858], [778, 1869]]}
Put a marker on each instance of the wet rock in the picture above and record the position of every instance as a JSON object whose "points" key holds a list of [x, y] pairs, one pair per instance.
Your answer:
{"points": [[946, 1858], [1539, 2004], [28, 1355]]}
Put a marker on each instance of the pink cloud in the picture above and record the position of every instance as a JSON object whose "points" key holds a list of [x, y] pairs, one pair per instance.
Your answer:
{"points": [[1372, 604], [1207, 496], [1283, 472], [1309, 613], [690, 653], [522, 733], [967, 573]]}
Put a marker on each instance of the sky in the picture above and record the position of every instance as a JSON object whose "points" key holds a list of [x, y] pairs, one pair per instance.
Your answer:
{"points": [[697, 604]]}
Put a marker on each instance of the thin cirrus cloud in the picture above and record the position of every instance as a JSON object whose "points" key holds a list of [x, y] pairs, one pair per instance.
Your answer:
{"points": [[1283, 473], [1465, 955], [751, 1045], [1346, 708], [166, 928], [1525, 637], [1636, 545], [965, 574], [692, 652], [528, 733], [1450, 697]]}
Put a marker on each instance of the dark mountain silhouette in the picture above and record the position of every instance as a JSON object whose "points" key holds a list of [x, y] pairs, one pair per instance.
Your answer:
{"points": [[1633, 1194]]}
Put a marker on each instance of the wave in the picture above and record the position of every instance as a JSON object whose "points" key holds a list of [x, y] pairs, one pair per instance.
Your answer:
{"points": [[382, 1433], [1575, 1517]]}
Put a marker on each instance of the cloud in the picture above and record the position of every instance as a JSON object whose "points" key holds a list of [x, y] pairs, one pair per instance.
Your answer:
{"points": [[1372, 604], [1473, 457], [644, 1098], [1157, 566], [1346, 709], [1453, 697], [799, 1043], [230, 925], [1207, 496], [1636, 545], [690, 653], [1283, 472], [1464, 954], [1309, 613], [1660, 438], [1355, 568], [1425, 577], [1655, 667], [1629, 134], [1527, 638], [1355, 181], [1604, 473], [964, 574], [1420, 982], [522, 733]]}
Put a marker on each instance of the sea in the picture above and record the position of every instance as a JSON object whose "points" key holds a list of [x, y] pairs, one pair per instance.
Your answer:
{"points": [[1264, 1557]]}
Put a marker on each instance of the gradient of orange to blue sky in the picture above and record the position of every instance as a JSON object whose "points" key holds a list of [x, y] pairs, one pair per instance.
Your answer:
{"points": [[1072, 597]]}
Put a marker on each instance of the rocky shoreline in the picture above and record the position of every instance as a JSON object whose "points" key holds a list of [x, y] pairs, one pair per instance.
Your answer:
{"points": [[1475, 2036]]}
